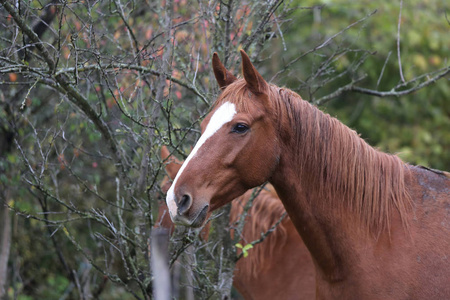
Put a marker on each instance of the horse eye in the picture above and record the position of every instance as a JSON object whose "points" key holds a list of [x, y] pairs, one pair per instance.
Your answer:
{"points": [[240, 128]]}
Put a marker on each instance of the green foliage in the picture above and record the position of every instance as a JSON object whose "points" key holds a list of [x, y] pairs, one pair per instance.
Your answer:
{"points": [[244, 248]]}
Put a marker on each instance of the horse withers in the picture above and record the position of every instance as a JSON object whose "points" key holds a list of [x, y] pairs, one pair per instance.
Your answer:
{"points": [[377, 228]]}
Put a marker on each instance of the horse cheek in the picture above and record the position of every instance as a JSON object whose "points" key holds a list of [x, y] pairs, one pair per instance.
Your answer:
{"points": [[260, 164]]}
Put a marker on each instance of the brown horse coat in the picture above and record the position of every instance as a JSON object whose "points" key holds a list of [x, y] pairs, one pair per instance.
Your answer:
{"points": [[377, 228]]}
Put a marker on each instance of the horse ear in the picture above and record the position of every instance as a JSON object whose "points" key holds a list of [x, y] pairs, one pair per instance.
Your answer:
{"points": [[254, 80], [223, 76], [173, 164]]}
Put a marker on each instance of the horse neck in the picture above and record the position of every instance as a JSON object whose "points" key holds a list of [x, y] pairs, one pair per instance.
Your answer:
{"points": [[326, 236], [335, 187]]}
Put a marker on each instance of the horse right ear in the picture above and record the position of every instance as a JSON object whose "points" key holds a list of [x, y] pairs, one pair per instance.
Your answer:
{"points": [[223, 76], [173, 164], [254, 80]]}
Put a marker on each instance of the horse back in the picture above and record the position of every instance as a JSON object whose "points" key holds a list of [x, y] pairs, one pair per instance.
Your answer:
{"points": [[430, 192], [430, 230]]}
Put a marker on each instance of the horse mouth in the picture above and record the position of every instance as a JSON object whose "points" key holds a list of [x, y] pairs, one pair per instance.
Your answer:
{"points": [[201, 217], [196, 222]]}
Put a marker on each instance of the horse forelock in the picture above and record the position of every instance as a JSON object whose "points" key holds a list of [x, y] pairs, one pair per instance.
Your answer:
{"points": [[334, 160], [237, 93], [266, 210]]}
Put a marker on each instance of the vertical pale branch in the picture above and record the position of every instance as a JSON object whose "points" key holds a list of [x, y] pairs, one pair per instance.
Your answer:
{"points": [[398, 42], [130, 32], [228, 23]]}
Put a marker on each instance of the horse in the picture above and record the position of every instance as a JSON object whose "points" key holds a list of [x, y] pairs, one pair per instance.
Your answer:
{"points": [[376, 227], [280, 267]]}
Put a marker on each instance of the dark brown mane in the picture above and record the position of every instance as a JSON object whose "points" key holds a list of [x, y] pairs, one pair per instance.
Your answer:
{"points": [[335, 162], [266, 210]]}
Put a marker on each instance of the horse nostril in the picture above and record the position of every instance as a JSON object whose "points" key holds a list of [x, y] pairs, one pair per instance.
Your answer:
{"points": [[184, 204]]}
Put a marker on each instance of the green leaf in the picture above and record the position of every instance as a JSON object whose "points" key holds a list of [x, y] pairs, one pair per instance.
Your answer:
{"points": [[248, 246]]}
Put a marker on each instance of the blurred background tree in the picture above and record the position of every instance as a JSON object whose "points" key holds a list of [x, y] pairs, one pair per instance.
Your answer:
{"points": [[91, 90]]}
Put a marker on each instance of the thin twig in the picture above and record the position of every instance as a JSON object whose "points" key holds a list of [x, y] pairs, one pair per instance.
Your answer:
{"points": [[338, 92], [382, 69], [398, 42], [265, 234]]}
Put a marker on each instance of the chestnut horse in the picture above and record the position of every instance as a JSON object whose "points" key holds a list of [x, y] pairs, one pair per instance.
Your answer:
{"points": [[280, 267], [377, 228]]}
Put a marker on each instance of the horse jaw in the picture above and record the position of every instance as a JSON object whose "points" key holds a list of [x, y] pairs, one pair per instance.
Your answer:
{"points": [[221, 116]]}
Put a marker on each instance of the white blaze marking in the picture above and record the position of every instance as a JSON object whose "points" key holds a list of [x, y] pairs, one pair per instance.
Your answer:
{"points": [[223, 115]]}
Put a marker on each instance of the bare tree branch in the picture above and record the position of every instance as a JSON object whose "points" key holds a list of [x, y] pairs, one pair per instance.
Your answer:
{"points": [[398, 42], [394, 92]]}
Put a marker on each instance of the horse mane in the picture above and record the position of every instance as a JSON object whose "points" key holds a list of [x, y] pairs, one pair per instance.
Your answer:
{"points": [[265, 211], [334, 160]]}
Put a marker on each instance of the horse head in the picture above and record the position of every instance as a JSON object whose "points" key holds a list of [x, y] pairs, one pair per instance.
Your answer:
{"points": [[237, 150]]}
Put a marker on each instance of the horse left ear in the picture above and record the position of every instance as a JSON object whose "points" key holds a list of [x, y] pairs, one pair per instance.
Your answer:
{"points": [[173, 165], [254, 80], [223, 76]]}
